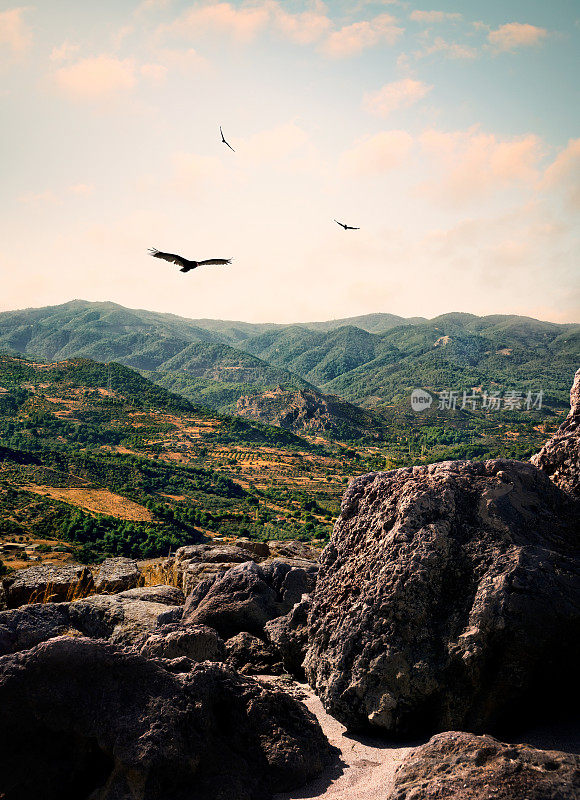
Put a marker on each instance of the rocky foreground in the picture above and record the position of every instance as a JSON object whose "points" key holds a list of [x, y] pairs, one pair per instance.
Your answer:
{"points": [[447, 605]]}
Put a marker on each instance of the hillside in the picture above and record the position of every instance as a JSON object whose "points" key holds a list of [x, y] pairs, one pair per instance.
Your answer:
{"points": [[313, 413], [373, 361]]}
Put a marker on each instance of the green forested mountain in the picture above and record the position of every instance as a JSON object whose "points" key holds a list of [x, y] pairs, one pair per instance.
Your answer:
{"points": [[375, 360]]}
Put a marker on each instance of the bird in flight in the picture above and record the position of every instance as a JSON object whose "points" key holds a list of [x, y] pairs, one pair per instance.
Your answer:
{"points": [[185, 264], [224, 141], [346, 227]]}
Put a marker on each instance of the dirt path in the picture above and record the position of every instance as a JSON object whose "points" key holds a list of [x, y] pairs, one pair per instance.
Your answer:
{"points": [[366, 767]]}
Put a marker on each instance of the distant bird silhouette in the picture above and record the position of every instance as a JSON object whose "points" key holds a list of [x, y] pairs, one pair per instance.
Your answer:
{"points": [[224, 141], [184, 263], [346, 227]]}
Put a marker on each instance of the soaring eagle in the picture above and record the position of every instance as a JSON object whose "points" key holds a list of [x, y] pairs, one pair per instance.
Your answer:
{"points": [[184, 263], [346, 227], [224, 141]]}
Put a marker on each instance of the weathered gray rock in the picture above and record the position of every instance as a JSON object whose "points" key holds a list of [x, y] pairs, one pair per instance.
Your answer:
{"points": [[80, 718], [117, 575], [193, 563], [292, 548], [448, 598], [248, 595], [47, 583], [462, 766], [260, 550], [289, 637], [195, 642], [124, 621], [24, 627], [251, 656], [559, 458], [166, 595]]}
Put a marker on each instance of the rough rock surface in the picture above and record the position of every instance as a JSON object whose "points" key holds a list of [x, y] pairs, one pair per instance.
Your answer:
{"points": [[247, 596], [448, 598], [195, 642], [27, 626], [47, 582], [80, 718], [122, 620], [193, 563], [117, 575], [462, 766], [251, 656], [292, 548], [560, 456], [289, 636], [166, 595]]}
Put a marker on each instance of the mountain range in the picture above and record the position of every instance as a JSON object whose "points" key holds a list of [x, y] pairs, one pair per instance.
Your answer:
{"points": [[372, 361]]}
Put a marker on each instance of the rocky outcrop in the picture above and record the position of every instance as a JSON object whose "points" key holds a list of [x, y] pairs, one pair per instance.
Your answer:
{"points": [[116, 575], [461, 766], [448, 598], [292, 548], [251, 656], [47, 583], [25, 627], [123, 620], [288, 635], [80, 718], [248, 595], [194, 563], [195, 642], [307, 411], [166, 595], [559, 458]]}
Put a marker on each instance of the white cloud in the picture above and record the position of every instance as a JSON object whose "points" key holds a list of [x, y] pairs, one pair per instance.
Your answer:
{"points": [[563, 175], [64, 52], [399, 94], [512, 35], [97, 77], [433, 16], [14, 32], [353, 39], [451, 50], [471, 164], [377, 154]]}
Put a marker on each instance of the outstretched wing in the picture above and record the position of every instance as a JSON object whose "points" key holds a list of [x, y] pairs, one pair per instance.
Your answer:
{"points": [[182, 262], [342, 225], [215, 261], [351, 228]]}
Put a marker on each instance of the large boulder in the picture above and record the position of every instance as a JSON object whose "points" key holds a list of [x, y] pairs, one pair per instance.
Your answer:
{"points": [[25, 627], [448, 598], [160, 593], [117, 574], [196, 642], [48, 583], [462, 766], [292, 548], [560, 456], [80, 718], [288, 635], [248, 595], [251, 656], [123, 620], [193, 563]]}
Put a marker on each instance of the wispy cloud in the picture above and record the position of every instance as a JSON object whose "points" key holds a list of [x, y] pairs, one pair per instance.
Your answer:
{"points": [[95, 78], [451, 50], [353, 39], [64, 52], [433, 16], [512, 35], [15, 35], [399, 94], [374, 155]]}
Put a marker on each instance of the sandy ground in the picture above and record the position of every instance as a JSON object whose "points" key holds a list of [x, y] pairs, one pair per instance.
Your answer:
{"points": [[100, 501], [365, 768]]}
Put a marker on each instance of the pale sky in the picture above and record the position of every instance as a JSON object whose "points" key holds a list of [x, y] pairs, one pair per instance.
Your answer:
{"points": [[448, 131]]}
